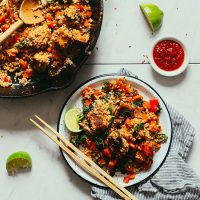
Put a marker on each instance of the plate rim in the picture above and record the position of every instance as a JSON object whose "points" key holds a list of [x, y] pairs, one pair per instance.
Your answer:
{"points": [[115, 74]]}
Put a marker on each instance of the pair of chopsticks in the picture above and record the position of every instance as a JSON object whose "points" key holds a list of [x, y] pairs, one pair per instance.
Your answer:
{"points": [[82, 160]]}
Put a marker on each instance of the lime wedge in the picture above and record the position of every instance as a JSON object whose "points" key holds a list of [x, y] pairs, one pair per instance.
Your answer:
{"points": [[153, 14], [71, 120], [17, 161]]}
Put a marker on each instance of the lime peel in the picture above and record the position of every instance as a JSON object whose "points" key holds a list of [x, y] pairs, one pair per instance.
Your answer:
{"points": [[72, 120], [153, 14], [18, 161]]}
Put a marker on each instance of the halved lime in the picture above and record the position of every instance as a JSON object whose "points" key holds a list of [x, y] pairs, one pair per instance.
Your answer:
{"points": [[17, 161], [72, 119], [154, 15]]}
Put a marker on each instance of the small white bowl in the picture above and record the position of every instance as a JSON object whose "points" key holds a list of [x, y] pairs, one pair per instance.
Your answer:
{"points": [[174, 72]]}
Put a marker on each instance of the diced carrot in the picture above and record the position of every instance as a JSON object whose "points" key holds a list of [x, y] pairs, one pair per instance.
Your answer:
{"points": [[132, 176], [28, 73], [146, 105], [133, 146], [80, 7], [2, 18], [86, 23], [12, 15], [10, 53], [49, 18], [107, 152], [97, 93], [49, 49], [23, 63], [17, 38], [87, 102], [26, 32], [89, 13], [129, 99], [86, 90], [128, 122], [112, 163], [6, 79], [126, 179], [55, 55], [153, 123], [144, 116], [137, 97], [50, 24]]}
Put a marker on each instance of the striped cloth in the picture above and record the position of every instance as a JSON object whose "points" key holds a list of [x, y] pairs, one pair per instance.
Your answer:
{"points": [[175, 180]]}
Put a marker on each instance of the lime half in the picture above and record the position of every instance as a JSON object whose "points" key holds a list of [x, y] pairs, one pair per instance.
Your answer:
{"points": [[72, 119], [17, 161], [154, 15]]}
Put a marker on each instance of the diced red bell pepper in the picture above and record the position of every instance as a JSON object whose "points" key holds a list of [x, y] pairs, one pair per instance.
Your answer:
{"points": [[5, 27], [147, 150], [129, 168], [153, 105], [102, 162], [112, 163], [92, 146], [89, 13], [107, 152]]}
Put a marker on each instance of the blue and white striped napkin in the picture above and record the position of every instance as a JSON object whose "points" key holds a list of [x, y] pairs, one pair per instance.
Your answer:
{"points": [[175, 180]]}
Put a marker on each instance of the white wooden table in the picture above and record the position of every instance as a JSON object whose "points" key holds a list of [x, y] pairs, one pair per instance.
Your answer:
{"points": [[124, 40]]}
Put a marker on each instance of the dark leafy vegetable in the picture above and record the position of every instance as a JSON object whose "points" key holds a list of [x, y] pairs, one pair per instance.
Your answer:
{"points": [[119, 94], [110, 109], [106, 87], [76, 139], [138, 127], [22, 44], [87, 109], [138, 103]]}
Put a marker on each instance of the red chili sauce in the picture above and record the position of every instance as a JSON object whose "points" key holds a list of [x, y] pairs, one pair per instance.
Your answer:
{"points": [[168, 55]]}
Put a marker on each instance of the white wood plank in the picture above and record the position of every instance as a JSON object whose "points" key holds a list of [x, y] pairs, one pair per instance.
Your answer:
{"points": [[125, 36]]}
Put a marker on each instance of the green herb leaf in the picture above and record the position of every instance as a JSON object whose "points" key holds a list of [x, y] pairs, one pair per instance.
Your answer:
{"points": [[110, 109], [80, 117], [22, 44], [138, 127], [118, 93]]}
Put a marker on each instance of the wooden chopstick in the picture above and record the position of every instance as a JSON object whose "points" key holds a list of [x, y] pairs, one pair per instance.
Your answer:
{"points": [[94, 165], [81, 162]]}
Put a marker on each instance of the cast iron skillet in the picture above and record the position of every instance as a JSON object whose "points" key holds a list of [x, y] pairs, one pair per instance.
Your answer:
{"points": [[42, 84]]}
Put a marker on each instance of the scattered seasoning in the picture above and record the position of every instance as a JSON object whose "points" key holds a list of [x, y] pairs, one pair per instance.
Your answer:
{"points": [[97, 48], [115, 8], [1, 136], [145, 59], [168, 55], [129, 46]]}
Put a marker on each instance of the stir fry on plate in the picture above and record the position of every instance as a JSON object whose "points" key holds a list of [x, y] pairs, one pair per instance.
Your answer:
{"points": [[120, 129], [45, 48]]}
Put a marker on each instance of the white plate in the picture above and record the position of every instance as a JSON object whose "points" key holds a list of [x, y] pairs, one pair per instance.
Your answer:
{"points": [[148, 93]]}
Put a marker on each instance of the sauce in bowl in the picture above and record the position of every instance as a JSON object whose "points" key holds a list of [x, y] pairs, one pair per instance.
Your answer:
{"points": [[168, 55]]}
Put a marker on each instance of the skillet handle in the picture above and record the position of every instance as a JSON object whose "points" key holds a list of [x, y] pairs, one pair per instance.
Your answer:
{"points": [[125, 72]]}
